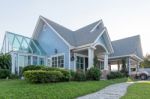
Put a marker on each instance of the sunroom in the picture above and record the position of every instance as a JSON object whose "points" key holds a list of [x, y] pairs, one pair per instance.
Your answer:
{"points": [[23, 50]]}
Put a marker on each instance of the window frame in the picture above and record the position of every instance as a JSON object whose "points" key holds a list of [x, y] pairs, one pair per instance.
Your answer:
{"points": [[56, 60]]}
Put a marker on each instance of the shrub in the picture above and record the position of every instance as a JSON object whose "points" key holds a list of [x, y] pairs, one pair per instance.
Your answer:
{"points": [[41, 76], [114, 75], [5, 61], [72, 75], [32, 67], [51, 69], [4, 73], [66, 74], [13, 76], [93, 74], [80, 76]]}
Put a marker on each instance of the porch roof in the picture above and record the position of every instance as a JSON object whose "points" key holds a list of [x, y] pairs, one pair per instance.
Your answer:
{"points": [[127, 47]]}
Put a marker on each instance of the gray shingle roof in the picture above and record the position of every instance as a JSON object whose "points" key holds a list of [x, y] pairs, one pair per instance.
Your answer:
{"points": [[86, 36], [82, 36], [127, 46], [79, 37]]}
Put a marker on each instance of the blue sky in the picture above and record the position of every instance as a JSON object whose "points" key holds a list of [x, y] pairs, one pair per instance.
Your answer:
{"points": [[123, 18]]}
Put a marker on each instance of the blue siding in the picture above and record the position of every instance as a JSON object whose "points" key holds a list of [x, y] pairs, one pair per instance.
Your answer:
{"points": [[50, 41]]}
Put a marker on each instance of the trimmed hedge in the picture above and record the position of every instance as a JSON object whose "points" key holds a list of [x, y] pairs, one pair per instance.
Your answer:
{"points": [[32, 67], [93, 74], [114, 75], [41, 76], [4, 73], [66, 74]]}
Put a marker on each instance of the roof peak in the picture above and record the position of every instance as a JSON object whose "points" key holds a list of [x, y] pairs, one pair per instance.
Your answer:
{"points": [[93, 23], [96, 24]]}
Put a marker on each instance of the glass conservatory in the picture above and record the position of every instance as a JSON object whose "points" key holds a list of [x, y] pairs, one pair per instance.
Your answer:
{"points": [[24, 51]]}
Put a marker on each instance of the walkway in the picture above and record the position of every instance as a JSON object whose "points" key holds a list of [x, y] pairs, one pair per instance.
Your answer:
{"points": [[114, 91]]}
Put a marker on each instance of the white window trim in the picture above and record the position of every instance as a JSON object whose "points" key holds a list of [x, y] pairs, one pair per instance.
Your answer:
{"points": [[60, 54], [80, 55]]}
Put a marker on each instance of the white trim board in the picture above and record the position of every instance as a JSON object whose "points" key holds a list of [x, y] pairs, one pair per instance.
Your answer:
{"points": [[130, 55], [100, 21]]}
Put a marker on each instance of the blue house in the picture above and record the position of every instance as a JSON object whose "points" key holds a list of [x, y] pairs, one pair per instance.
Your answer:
{"points": [[56, 46]]}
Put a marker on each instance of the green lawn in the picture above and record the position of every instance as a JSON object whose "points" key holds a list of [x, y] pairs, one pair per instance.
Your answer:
{"points": [[18, 89], [138, 91]]}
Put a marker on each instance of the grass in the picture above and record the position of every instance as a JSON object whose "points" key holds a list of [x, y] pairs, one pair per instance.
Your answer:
{"points": [[19, 89], [138, 91]]}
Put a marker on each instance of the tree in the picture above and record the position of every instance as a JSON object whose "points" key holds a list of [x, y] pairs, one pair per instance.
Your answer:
{"points": [[5, 61], [146, 62], [96, 61]]}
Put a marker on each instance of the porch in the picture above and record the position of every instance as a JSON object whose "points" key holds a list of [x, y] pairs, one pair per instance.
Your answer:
{"points": [[84, 58], [128, 63]]}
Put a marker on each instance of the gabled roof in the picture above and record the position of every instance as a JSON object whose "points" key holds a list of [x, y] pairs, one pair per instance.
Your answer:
{"points": [[127, 46], [89, 33], [81, 36], [66, 33]]}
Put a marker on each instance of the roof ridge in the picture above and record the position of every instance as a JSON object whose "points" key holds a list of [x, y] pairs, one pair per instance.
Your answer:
{"points": [[126, 38], [96, 22]]}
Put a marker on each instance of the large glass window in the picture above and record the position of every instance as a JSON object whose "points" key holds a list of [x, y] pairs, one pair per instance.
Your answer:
{"points": [[80, 62], [61, 61], [22, 44], [21, 63], [49, 62], [35, 62], [29, 60], [41, 61], [25, 60], [58, 61]]}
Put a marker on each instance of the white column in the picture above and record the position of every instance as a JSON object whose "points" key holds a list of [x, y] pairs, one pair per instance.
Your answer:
{"points": [[74, 62], [38, 62], [18, 63], [12, 63], [31, 60], [106, 61], [138, 66], [46, 61], [90, 57], [128, 62]]}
